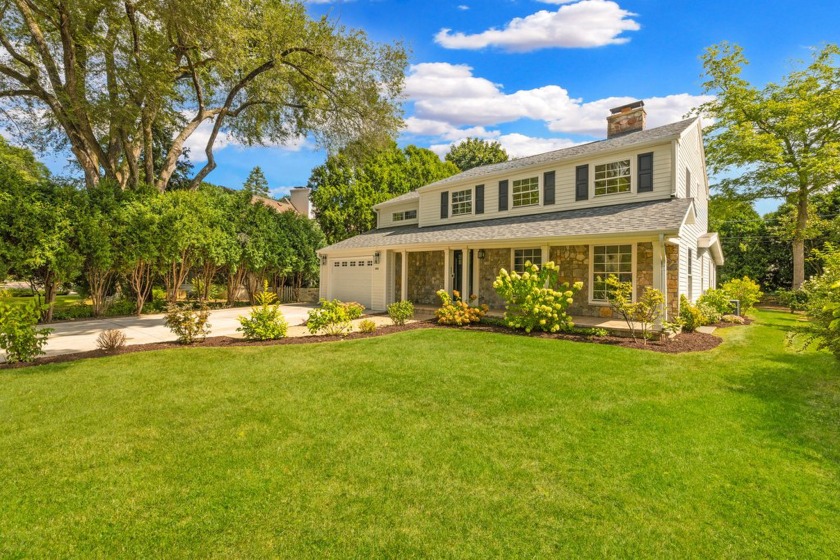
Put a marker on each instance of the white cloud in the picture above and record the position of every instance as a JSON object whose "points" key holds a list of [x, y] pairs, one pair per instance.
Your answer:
{"points": [[449, 95], [583, 24], [463, 7], [197, 142]]}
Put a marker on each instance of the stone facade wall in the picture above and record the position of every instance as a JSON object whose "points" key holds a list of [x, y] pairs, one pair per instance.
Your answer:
{"points": [[425, 277], [644, 267], [672, 253], [488, 269]]}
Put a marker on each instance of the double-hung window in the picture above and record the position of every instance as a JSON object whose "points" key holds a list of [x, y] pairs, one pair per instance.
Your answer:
{"points": [[462, 202], [612, 178], [522, 256], [610, 260], [526, 192]]}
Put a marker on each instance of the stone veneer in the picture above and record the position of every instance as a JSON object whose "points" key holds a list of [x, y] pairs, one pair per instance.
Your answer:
{"points": [[488, 269], [425, 277], [672, 253]]}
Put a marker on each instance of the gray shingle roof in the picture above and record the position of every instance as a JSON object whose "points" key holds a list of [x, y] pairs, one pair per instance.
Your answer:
{"points": [[411, 195], [624, 141], [638, 217]]}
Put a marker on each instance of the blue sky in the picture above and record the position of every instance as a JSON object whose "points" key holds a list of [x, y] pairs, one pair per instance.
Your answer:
{"points": [[539, 75]]}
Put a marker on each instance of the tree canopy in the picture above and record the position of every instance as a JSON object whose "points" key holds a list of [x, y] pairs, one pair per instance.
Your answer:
{"points": [[779, 141], [256, 183], [474, 152], [345, 188], [103, 77]]}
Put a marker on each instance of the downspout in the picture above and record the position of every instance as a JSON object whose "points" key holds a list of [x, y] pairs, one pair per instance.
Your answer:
{"points": [[663, 274]]}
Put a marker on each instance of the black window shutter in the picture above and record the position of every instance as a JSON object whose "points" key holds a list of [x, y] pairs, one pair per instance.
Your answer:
{"points": [[444, 205], [548, 187], [645, 173], [479, 199], [582, 182], [503, 195]]}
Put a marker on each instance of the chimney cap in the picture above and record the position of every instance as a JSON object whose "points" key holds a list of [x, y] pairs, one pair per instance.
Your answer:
{"points": [[628, 107]]}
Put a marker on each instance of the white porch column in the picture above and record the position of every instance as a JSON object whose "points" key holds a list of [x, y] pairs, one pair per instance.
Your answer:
{"points": [[657, 266], [447, 271], [465, 274], [404, 276], [546, 254]]}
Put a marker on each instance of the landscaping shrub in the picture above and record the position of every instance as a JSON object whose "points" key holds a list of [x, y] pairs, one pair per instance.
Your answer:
{"points": [[120, 308], [691, 316], [734, 319], [111, 339], [20, 336], [744, 290], [709, 312], [20, 292], [535, 299], [455, 311], [333, 317], [367, 326], [824, 304], [188, 323], [795, 300], [75, 311], [5, 293], [718, 299], [266, 322], [401, 311], [645, 311]]}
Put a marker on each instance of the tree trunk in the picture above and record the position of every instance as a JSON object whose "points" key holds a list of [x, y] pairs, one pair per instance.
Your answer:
{"points": [[799, 241], [99, 281], [234, 282], [50, 288], [140, 279]]}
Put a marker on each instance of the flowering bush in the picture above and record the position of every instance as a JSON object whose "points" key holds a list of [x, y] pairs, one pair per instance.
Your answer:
{"points": [[535, 299], [401, 311], [333, 317], [717, 299], [455, 311], [744, 290], [266, 322]]}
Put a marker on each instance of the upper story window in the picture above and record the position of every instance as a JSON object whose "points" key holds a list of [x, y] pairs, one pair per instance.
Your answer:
{"points": [[522, 256], [462, 202], [526, 192], [612, 178], [610, 260], [402, 216]]}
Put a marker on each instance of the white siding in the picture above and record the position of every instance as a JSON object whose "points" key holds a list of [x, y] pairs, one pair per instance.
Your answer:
{"points": [[564, 188], [386, 214]]}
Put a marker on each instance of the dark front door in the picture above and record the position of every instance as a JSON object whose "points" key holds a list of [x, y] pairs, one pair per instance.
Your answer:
{"points": [[457, 272]]}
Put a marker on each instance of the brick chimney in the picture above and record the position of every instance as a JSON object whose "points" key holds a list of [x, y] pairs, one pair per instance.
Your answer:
{"points": [[299, 197], [626, 119]]}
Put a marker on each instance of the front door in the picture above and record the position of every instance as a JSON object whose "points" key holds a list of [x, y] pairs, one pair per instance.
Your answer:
{"points": [[458, 272]]}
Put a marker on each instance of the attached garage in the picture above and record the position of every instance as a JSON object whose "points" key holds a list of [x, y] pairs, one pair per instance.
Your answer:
{"points": [[351, 279]]}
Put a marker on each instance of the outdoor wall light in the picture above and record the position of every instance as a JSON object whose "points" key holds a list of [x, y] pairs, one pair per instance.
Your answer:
{"points": [[481, 254], [376, 258]]}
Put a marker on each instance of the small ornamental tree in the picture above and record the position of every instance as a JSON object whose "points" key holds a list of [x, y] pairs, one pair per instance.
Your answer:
{"points": [[644, 312], [266, 321], [744, 290], [535, 299]]}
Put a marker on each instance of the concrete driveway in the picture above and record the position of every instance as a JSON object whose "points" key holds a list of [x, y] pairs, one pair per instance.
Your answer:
{"points": [[80, 336]]}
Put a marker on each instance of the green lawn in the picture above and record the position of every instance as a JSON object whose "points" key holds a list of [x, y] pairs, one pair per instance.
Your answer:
{"points": [[434, 443], [61, 302]]}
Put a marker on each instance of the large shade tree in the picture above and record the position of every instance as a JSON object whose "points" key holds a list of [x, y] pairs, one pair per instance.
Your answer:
{"points": [[102, 77], [778, 141], [475, 152]]}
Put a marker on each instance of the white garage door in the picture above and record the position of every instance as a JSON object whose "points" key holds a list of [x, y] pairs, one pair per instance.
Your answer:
{"points": [[350, 279]]}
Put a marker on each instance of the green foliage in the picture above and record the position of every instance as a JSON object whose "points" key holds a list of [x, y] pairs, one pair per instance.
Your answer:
{"points": [[110, 340], [734, 319], [535, 299], [401, 311], [693, 316], [455, 311], [645, 311], [333, 317], [256, 184], [795, 300], [824, 303], [709, 312], [266, 321], [188, 323], [20, 336], [718, 300], [367, 326], [263, 71], [745, 290], [475, 152], [347, 186], [760, 133]]}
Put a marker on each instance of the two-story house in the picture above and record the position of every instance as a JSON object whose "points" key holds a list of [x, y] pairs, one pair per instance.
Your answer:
{"points": [[634, 205]]}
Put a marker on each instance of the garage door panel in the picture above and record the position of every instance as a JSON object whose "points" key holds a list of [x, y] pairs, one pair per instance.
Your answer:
{"points": [[350, 279]]}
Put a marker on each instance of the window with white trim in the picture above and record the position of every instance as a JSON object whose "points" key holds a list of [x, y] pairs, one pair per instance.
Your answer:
{"points": [[612, 178], [522, 256], [610, 260], [462, 202], [526, 192], [402, 216]]}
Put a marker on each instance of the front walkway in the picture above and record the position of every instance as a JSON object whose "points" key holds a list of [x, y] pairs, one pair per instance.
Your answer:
{"points": [[80, 336]]}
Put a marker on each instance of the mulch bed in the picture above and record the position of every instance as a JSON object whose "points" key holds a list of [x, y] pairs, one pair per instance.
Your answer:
{"points": [[683, 342]]}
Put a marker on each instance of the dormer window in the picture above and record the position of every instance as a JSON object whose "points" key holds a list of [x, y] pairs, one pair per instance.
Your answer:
{"points": [[526, 192], [462, 202], [403, 216], [612, 178]]}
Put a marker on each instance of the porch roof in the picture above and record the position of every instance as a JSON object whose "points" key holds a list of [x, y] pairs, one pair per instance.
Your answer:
{"points": [[652, 217]]}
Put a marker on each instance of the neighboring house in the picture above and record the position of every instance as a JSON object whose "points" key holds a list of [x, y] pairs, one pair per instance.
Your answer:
{"points": [[297, 201], [634, 205]]}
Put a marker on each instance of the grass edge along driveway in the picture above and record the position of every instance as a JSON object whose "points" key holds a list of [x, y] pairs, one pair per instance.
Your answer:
{"points": [[427, 443]]}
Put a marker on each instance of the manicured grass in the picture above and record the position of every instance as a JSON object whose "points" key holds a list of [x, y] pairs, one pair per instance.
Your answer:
{"points": [[61, 302], [433, 443]]}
